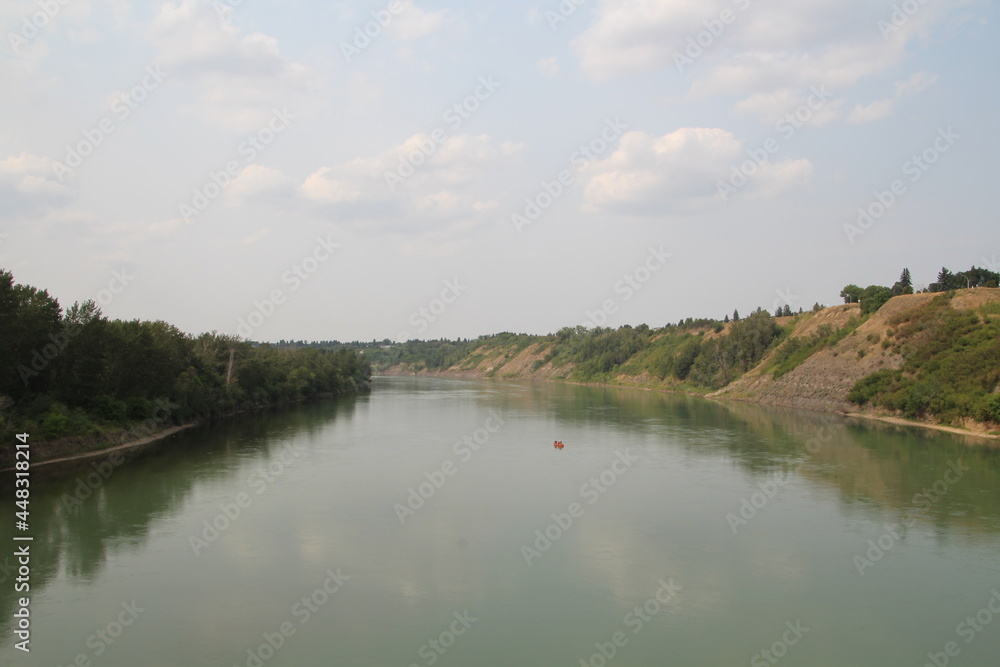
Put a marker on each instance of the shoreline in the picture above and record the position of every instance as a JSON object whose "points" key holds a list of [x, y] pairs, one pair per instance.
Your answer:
{"points": [[900, 421], [167, 432], [888, 419], [132, 444]]}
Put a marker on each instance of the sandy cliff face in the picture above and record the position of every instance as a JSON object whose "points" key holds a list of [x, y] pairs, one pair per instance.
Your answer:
{"points": [[821, 382], [490, 362]]}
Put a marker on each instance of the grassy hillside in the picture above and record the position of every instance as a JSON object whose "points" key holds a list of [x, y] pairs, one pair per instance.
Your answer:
{"points": [[934, 357]]}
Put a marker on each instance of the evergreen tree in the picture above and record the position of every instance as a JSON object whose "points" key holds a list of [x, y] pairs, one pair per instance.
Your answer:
{"points": [[787, 312], [904, 285], [945, 280], [736, 316]]}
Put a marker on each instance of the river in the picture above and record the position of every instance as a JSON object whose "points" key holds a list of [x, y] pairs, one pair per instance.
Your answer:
{"points": [[432, 522]]}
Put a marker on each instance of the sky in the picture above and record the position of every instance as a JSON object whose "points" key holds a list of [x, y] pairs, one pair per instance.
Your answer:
{"points": [[314, 170]]}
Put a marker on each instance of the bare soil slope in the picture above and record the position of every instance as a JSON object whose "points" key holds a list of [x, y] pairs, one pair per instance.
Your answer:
{"points": [[823, 381]]}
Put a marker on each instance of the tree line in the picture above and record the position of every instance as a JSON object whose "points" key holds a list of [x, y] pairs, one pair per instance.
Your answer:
{"points": [[76, 372], [873, 297]]}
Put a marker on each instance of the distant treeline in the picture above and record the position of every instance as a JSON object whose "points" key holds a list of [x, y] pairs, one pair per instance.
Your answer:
{"points": [[79, 373], [951, 357], [677, 351]]}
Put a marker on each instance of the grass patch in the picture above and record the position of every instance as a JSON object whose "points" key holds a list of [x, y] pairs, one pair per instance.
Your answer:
{"points": [[794, 351]]}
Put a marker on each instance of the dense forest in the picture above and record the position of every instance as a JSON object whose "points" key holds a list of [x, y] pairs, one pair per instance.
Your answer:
{"points": [[77, 373]]}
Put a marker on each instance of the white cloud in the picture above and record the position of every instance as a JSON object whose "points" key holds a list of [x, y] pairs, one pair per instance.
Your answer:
{"points": [[632, 37], [810, 106], [29, 187], [412, 22], [678, 171], [761, 50], [449, 189], [239, 76], [879, 109], [256, 183], [256, 237], [548, 66], [867, 113], [321, 187]]}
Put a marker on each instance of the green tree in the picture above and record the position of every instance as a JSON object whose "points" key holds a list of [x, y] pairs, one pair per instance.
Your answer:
{"points": [[873, 297], [31, 337], [945, 281], [851, 293]]}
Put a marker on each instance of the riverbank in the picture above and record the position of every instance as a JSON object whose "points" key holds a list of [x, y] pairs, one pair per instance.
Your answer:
{"points": [[973, 431], [81, 448], [100, 453], [76, 449]]}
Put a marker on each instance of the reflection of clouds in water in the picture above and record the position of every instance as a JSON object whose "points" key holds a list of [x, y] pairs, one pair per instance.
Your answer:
{"points": [[778, 563], [625, 562]]}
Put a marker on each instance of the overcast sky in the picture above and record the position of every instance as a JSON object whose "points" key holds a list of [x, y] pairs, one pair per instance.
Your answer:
{"points": [[309, 169]]}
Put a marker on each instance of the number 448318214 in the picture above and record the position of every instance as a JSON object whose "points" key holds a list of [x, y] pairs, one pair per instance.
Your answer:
{"points": [[22, 465]]}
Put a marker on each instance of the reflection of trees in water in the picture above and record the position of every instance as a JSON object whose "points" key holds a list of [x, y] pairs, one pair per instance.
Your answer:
{"points": [[885, 465], [868, 462], [152, 484]]}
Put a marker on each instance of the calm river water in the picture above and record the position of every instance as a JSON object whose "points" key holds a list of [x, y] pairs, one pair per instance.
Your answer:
{"points": [[434, 523]]}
